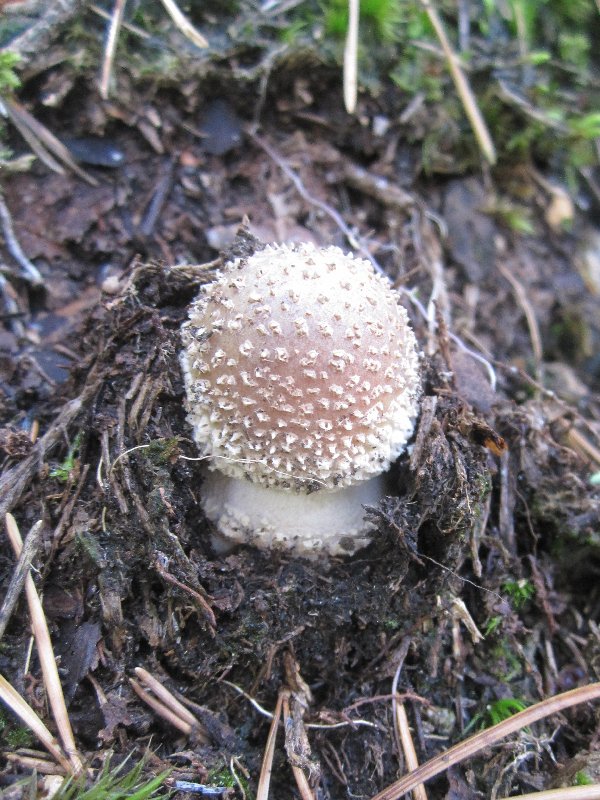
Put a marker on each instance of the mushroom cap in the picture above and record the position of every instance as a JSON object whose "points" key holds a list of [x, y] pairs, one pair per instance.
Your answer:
{"points": [[301, 369]]}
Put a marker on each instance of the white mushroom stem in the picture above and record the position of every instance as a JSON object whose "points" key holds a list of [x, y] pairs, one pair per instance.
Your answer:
{"points": [[326, 521]]}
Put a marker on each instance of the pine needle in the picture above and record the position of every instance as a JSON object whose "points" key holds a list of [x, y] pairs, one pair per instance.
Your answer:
{"points": [[183, 23], [351, 57], [465, 93], [46, 656]]}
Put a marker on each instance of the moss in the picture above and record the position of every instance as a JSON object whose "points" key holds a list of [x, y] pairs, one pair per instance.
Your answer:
{"points": [[550, 43], [223, 777], [13, 735], [504, 662], [519, 592], [92, 549], [9, 79], [380, 18], [582, 779], [163, 451]]}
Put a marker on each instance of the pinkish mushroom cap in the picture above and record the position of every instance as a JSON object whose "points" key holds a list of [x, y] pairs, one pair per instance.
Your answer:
{"points": [[302, 380]]}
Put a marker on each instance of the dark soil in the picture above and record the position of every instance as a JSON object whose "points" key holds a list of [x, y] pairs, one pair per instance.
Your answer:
{"points": [[493, 507]]}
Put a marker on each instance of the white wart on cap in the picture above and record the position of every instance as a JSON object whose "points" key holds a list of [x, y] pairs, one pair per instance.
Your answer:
{"points": [[302, 380]]}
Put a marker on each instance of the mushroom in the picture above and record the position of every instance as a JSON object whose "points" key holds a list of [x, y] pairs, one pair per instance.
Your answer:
{"points": [[302, 380]]}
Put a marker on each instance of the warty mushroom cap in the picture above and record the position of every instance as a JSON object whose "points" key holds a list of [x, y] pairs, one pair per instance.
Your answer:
{"points": [[301, 372]]}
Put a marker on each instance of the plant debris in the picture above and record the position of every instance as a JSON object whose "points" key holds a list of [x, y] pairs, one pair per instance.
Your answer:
{"points": [[479, 594]]}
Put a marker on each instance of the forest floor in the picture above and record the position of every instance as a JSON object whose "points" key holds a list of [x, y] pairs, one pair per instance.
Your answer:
{"points": [[480, 595]]}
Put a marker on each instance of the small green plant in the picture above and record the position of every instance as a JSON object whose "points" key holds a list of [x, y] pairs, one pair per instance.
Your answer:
{"points": [[586, 127], [224, 778], [497, 712], [9, 80], [582, 779], [503, 709], [115, 784], [574, 48], [63, 471], [515, 217], [519, 591], [492, 625]]}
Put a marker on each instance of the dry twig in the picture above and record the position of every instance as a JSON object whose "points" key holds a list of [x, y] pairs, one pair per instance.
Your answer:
{"points": [[196, 596], [170, 701], [112, 37], [570, 793], [386, 192], [163, 703], [43, 142], [487, 738], [352, 723], [467, 97], [527, 309], [264, 780], [46, 656], [14, 482], [11, 311], [160, 709], [410, 755], [183, 23], [351, 57], [27, 715], [30, 547], [582, 446], [306, 793], [401, 727], [512, 98], [314, 201], [29, 271], [40, 763], [135, 29]]}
